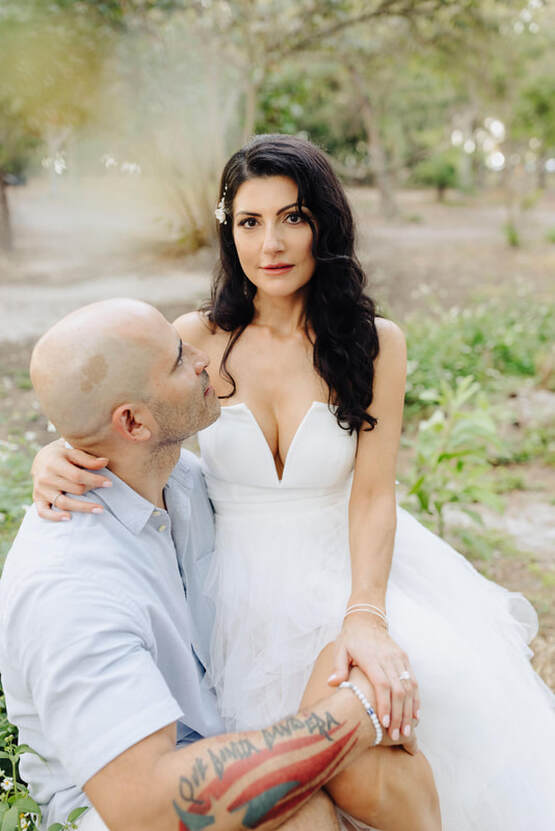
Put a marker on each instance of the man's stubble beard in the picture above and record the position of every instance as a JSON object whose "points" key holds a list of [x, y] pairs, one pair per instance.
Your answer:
{"points": [[173, 431]]}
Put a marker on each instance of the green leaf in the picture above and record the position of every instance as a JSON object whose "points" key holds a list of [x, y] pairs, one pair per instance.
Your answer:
{"points": [[473, 515], [24, 748], [57, 826], [10, 820], [4, 755], [75, 814], [26, 804]]}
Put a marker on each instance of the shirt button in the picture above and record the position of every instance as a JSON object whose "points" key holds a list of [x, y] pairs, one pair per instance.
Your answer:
{"points": [[162, 528], [156, 513]]}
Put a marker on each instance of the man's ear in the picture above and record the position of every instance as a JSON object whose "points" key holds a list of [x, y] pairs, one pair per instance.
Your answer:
{"points": [[133, 422]]}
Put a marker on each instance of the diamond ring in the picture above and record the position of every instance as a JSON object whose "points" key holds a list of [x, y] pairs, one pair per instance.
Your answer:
{"points": [[405, 676]]}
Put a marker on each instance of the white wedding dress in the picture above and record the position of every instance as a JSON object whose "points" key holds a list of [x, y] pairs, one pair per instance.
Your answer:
{"points": [[280, 579]]}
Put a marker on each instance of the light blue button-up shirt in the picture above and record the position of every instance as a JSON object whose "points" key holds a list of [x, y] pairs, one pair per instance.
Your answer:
{"points": [[104, 630]]}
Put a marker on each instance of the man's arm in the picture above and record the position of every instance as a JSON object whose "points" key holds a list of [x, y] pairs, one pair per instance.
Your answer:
{"points": [[237, 781]]}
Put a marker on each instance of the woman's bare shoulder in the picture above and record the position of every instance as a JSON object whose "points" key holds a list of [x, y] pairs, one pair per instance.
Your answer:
{"points": [[391, 338], [194, 328]]}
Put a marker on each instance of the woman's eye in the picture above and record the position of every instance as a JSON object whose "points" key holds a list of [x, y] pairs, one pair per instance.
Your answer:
{"points": [[295, 219], [249, 222]]}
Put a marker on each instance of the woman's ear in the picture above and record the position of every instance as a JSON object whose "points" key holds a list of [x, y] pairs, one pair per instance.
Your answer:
{"points": [[132, 422]]}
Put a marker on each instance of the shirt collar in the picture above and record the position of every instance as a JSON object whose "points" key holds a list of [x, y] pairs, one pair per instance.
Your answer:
{"points": [[128, 506]]}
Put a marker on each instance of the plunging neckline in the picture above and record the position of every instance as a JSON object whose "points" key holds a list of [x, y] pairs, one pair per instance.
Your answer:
{"points": [[262, 435]]}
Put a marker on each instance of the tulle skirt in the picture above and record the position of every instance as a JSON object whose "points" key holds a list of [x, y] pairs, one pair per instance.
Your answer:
{"points": [[280, 580]]}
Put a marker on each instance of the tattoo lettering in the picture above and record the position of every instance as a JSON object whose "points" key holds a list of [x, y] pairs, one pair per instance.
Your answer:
{"points": [[241, 749], [313, 723], [256, 780], [303, 776], [187, 786]]}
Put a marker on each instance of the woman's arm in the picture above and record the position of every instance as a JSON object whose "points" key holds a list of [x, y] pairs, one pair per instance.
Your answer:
{"points": [[364, 639], [58, 470]]}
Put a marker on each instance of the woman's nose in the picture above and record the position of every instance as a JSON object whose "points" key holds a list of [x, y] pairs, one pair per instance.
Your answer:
{"points": [[272, 240]]}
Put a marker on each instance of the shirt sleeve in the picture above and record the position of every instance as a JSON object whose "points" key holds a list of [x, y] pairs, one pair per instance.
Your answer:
{"points": [[86, 657]]}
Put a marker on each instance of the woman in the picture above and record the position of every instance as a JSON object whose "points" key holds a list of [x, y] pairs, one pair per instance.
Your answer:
{"points": [[310, 544]]}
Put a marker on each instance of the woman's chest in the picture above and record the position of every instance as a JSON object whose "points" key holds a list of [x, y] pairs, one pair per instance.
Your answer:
{"points": [[277, 380]]}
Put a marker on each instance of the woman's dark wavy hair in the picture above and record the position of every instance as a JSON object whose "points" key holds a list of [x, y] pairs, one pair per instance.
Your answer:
{"points": [[338, 312]]}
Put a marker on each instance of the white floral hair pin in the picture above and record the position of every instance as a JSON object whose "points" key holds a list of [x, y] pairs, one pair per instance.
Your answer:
{"points": [[220, 212]]}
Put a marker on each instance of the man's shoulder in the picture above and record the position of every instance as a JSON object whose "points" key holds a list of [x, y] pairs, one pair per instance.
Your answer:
{"points": [[53, 553]]}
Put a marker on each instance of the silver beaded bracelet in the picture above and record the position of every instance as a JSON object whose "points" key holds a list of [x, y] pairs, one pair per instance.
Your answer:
{"points": [[368, 707]]}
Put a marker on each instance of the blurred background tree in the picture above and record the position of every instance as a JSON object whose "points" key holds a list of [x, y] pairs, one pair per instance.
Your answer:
{"points": [[441, 93]]}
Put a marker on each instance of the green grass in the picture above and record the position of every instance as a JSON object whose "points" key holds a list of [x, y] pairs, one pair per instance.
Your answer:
{"points": [[484, 544], [15, 489], [497, 342]]}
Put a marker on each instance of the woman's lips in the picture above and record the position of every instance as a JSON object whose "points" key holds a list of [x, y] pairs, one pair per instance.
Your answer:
{"points": [[278, 268]]}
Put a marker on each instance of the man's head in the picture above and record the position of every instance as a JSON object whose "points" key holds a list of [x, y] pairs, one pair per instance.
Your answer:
{"points": [[117, 371]]}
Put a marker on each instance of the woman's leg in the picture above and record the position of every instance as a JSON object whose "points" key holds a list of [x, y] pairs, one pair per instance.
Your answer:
{"points": [[386, 787]]}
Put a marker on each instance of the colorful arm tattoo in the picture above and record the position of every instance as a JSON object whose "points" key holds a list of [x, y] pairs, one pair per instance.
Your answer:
{"points": [[266, 775]]}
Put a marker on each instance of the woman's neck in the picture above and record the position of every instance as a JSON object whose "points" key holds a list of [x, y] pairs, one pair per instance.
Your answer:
{"points": [[282, 315]]}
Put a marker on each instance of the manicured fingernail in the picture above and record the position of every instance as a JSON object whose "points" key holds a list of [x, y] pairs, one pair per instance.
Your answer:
{"points": [[65, 518], [107, 484], [333, 677], [385, 721], [395, 735], [418, 714], [406, 730], [97, 511]]}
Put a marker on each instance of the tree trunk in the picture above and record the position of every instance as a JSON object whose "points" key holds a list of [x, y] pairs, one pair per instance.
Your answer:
{"points": [[251, 95], [376, 149], [6, 237], [542, 172]]}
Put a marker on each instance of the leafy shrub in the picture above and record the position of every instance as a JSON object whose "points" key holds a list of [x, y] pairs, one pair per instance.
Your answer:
{"points": [[439, 171], [511, 234], [490, 340], [453, 449]]}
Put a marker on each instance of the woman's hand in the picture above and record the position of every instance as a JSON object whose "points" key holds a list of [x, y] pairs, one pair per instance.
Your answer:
{"points": [[365, 642], [58, 470]]}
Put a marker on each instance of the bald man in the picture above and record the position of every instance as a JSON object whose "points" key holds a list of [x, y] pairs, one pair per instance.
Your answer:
{"points": [[104, 629]]}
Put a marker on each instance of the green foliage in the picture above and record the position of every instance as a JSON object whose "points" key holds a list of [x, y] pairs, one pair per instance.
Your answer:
{"points": [[537, 442], [15, 489], [511, 234], [550, 235], [71, 822], [18, 810], [453, 448], [535, 111], [491, 341], [484, 544], [439, 171]]}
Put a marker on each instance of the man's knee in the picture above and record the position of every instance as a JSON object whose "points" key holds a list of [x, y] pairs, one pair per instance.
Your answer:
{"points": [[318, 813]]}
